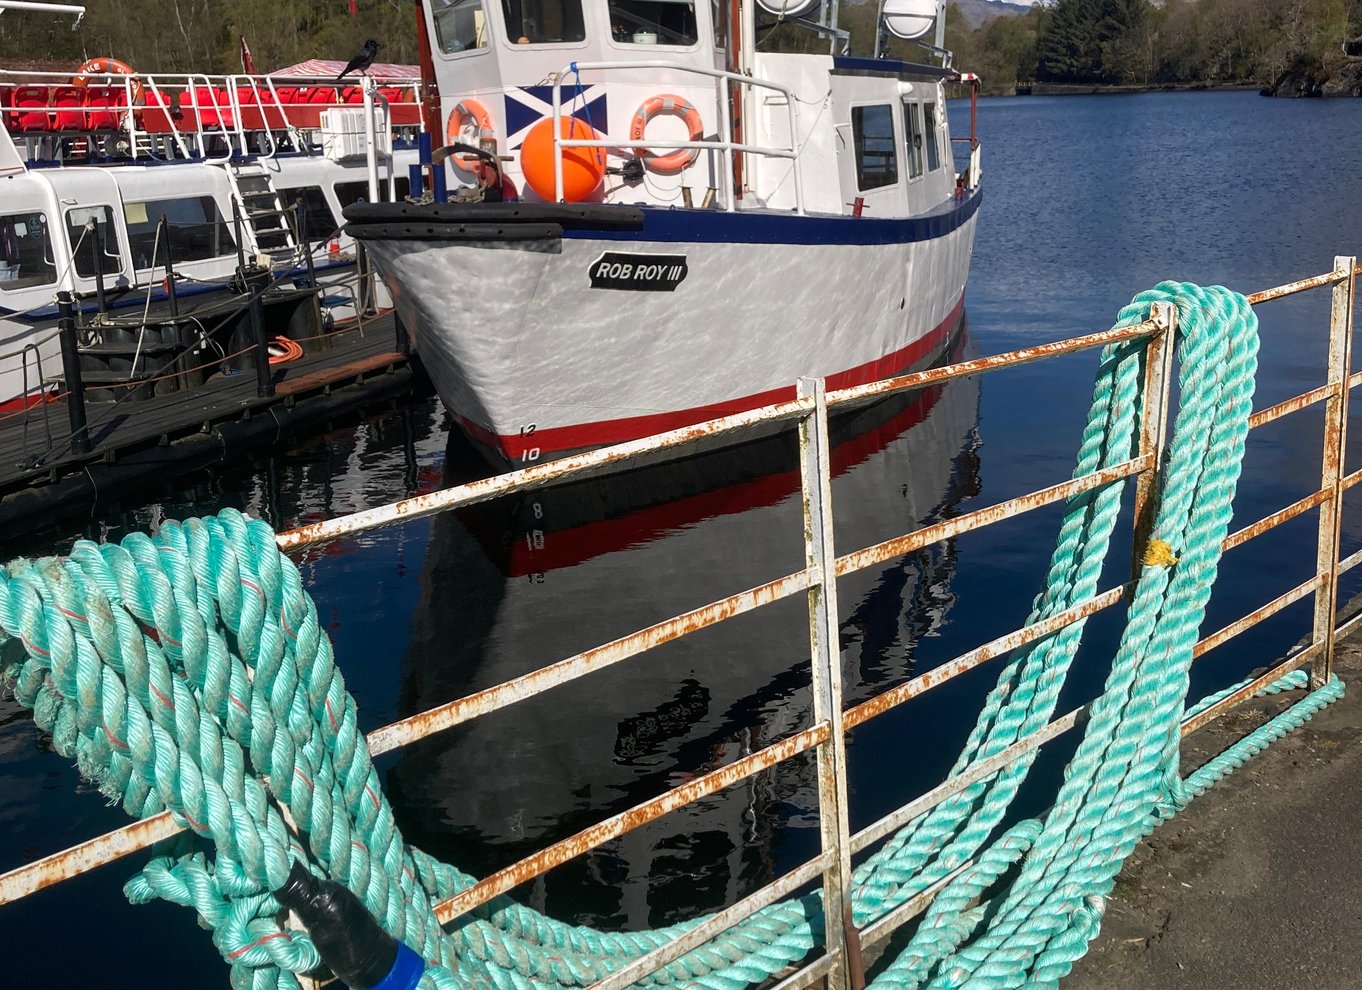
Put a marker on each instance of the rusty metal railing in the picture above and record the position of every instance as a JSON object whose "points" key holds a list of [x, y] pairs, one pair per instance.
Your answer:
{"points": [[839, 961]]}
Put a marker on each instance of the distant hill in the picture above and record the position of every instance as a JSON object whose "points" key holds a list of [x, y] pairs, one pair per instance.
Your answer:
{"points": [[976, 12]]}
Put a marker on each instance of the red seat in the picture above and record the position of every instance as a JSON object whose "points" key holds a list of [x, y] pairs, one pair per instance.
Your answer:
{"points": [[100, 102], [28, 100], [159, 115], [214, 106], [323, 95], [7, 113], [65, 98], [286, 94], [352, 94], [403, 111]]}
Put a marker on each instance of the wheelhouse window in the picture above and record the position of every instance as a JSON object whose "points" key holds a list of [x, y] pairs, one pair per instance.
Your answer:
{"points": [[197, 230], [872, 130], [350, 193], [81, 225], [25, 251], [460, 25], [653, 22], [912, 119], [933, 137], [543, 22]]}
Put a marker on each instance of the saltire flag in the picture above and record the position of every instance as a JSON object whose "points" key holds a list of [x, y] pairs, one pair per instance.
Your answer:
{"points": [[247, 63], [527, 105]]}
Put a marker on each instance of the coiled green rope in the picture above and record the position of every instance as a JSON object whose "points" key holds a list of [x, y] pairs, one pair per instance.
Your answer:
{"points": [[189, 672]]}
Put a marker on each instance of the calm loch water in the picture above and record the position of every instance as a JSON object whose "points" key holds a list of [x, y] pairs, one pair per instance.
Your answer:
{"points": [[1088, 201]]}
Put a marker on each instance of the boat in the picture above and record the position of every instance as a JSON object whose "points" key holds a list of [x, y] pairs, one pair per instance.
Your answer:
{"points": [[656, 220], [511, 585], [142, 193]]}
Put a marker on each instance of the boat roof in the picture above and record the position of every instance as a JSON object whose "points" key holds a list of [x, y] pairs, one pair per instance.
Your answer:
{"points": [[329, 68]]}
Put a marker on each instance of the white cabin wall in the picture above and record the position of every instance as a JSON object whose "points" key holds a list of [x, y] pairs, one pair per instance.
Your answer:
{"points": [[809, 77]]}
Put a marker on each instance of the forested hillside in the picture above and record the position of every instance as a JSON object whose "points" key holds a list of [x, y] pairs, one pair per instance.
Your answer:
{"points": [[1133, 42]]}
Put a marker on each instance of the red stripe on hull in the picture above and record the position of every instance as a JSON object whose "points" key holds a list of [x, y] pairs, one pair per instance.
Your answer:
{"points": [[514, 448], [26, 402]]}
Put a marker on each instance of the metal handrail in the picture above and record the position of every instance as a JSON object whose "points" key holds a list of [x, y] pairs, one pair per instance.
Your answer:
{"points": [[728, 147]]}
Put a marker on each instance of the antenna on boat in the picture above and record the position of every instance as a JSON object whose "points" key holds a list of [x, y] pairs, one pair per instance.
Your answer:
{"points": [[49, 8]]}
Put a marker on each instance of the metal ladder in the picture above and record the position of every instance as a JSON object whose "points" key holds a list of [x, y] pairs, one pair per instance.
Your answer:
{"points": [[263, 216]]}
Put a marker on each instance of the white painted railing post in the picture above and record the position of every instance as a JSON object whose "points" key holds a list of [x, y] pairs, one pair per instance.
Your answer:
{"points": [[1333, 470], [841, 940]]}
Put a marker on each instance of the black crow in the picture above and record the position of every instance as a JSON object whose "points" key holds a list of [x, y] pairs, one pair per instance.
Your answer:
{"points": [[363, 60]]}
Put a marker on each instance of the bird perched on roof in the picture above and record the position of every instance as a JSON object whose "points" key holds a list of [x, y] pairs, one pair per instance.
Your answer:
{"points": [[363, 60]]}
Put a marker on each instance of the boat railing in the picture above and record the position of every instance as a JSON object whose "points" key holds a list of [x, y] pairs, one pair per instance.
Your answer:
{"points": [[836, 958], [726, 145], [191, 115]]}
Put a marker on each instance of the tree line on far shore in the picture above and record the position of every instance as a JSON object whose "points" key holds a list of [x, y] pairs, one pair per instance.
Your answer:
{"points": [[1133, 42]]}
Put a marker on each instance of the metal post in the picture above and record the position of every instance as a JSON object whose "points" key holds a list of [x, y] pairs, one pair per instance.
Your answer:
{"points": [[1331, 476], [70, 361], [825, 650], [1158, 379], [98, 248], [371, 136], [263, 382], [172, 296]]}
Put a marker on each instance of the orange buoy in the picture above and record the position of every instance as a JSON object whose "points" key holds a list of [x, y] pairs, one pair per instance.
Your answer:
{"points": [[107, 67], [583, 168]]}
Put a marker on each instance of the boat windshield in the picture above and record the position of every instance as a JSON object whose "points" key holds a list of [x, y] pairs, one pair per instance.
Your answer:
{"points": [[460, 25], [653, 22], [544, 22]]}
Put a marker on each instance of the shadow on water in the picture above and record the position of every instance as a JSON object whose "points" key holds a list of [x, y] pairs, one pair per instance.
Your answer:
{"points": [[513, 585]]}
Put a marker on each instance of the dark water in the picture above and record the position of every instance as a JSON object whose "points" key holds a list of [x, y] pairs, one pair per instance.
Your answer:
{"points": [[1089, 200]]}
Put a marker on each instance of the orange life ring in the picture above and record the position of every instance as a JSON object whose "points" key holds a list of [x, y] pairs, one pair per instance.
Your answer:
{"points": [[468, 114], [675, 106], [107, 67]]}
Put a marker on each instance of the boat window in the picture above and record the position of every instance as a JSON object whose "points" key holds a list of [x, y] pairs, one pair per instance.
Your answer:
{"points": [[543, 22], [76, 233], [349, 193], [912, 117], [718, 13], [197, 230], [653, 22], [933, 131], [25, 251], [872, 130], [460, 25], [315, 215]]}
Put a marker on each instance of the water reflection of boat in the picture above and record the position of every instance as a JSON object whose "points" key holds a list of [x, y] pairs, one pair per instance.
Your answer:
{"points": [[509, 587]]}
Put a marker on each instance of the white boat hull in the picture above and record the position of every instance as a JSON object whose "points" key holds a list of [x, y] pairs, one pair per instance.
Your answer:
{"points": [[542, 346]]}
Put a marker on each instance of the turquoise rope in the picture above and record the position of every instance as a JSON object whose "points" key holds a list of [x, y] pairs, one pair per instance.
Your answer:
{"points": [[189, 672]]}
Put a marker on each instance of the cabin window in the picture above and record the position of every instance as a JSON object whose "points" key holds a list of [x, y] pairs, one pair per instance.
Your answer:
{"points": [[460, 25], [912, 118], [77, 225], [653, 22], [933, 136], [25, 251], [718, 13], [350, 193], [543, 22], [872, 130], [315, 212], [197, 230]]}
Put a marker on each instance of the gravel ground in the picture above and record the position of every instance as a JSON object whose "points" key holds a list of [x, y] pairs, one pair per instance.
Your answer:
{"points": [[1257, 884]]}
